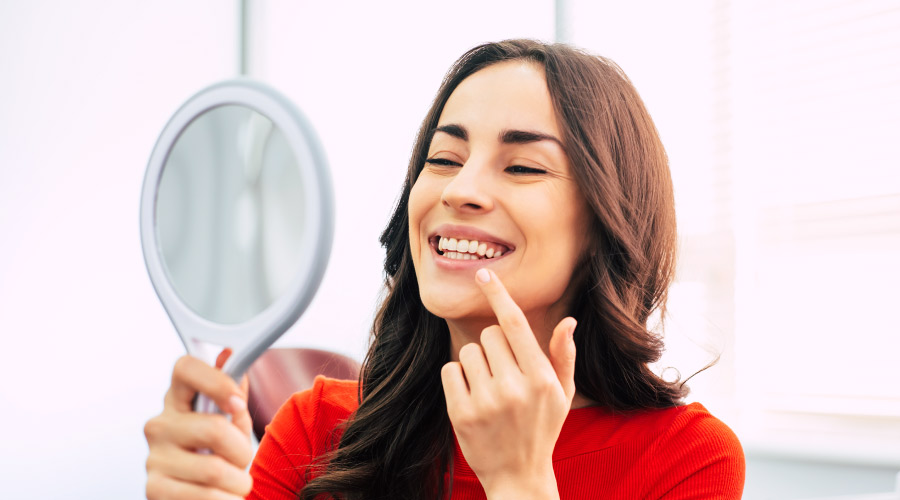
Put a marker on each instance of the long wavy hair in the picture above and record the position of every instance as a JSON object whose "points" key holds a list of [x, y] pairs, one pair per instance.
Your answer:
{"points": [[399, 442]]}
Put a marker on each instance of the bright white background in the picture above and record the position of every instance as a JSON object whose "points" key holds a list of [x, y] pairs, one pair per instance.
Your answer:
{"points": [[780, 119]]}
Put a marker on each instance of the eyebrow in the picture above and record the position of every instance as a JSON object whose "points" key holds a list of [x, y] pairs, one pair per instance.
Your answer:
{"points": [[506, 136], [526, 136], [453, 130]]}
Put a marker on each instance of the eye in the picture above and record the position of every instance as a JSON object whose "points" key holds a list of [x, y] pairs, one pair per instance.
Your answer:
{"points": [[442, 162], [520, 170]]}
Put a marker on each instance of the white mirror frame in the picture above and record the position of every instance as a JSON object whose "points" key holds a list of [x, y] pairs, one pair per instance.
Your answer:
{"points": [[250, 338]]}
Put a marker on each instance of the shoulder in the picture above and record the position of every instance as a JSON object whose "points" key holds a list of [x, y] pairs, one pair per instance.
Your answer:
{"points": [[693, 427], [305, 427], [320, 408], [675, 453], [328, 395], [694, 450]]}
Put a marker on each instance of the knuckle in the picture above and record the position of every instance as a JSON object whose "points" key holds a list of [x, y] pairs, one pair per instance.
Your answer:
{"points": [[153, 428], [490, 333], [466, 418], [489, 409], [516, 398], [245, 456], [182, 366], [516, 322], [246, 485], [156, 488], [214, 471], [447, 371], [512, 393], [151, 464], [544, 383], [151, 489], [469, 351], [508, 385], [210, 433]]}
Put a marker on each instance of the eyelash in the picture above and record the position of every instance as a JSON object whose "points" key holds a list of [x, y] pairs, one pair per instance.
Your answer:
{"points": [[519, 169], [513, 169], [443, 162]]}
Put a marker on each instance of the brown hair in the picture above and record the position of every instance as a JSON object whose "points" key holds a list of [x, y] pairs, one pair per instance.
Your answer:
{"points": [[399, 443]]}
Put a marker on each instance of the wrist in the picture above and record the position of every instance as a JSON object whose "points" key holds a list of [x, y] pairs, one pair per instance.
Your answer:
{"points": [[541, 486]]}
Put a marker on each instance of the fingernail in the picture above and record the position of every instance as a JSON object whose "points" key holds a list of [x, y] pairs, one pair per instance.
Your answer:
{"points": [[483, 275], [572, 330], [237, 404]]}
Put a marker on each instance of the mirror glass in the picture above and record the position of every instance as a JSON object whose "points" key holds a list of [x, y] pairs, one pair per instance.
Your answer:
{"points": [[230, 213]]}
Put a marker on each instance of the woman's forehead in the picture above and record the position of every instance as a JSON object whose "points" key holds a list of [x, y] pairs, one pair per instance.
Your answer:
{"points": [[507, 95]]}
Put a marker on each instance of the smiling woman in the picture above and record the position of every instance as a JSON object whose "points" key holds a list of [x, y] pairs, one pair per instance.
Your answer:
{"points": [[534, 237], [496, 174]]}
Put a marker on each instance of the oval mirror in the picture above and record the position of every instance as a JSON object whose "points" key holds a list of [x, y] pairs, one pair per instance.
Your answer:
{"points": [[236, 220]]}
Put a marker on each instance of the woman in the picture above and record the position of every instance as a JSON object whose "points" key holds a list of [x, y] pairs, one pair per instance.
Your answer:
{"points": [[538, 198]]}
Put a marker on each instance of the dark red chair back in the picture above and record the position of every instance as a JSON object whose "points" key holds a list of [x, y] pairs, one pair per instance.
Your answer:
{"points": [[279, 373]]}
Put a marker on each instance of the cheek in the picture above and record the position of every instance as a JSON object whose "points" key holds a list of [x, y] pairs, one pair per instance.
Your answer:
{"points": [[419, 203], [562, 236]]}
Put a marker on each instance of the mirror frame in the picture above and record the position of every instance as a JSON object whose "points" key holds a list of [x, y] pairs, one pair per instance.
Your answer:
{"points": [[318, 224]]}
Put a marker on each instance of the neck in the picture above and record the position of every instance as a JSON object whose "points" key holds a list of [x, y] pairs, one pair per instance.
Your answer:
{"points": [[468, 330]]}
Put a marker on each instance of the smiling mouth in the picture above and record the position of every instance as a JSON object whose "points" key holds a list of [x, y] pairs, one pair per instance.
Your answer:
{"points": [[462, 249]]}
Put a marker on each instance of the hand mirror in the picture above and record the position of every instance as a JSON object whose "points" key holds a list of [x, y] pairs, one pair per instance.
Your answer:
{"points": [[237, 220]]}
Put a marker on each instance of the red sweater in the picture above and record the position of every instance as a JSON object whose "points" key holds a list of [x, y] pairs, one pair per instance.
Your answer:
{"points": [[676, 453]]}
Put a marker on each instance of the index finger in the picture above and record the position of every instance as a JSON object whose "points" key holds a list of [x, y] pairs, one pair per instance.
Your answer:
{"points": [[511, 319], [191, 375]]}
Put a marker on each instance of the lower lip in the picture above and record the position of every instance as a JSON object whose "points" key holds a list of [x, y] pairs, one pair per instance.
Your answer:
{"points": [[459, 264]]}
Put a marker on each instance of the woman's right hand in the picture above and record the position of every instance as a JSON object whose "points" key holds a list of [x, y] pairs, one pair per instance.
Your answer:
{"points": [[175, 469]]}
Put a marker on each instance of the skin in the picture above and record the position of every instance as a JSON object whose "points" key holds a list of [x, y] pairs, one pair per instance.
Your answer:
{"points": [[174, 469], [521, 193], [510, 384]]}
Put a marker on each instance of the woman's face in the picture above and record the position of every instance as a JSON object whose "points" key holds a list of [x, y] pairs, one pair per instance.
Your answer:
{"points": [[496, 174]]}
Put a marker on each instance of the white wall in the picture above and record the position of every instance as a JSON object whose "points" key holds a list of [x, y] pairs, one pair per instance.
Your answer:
{"points": [[85, 89]]}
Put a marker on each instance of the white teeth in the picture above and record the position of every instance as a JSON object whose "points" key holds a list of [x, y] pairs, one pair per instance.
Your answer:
{"points": [[459, 256], [452, 248]]}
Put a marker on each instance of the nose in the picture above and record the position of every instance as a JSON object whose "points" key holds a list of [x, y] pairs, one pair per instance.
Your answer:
{"points": [[469, 190]]}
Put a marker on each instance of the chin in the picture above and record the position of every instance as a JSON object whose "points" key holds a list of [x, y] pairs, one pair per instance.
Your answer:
{"points": [[452, 308]]}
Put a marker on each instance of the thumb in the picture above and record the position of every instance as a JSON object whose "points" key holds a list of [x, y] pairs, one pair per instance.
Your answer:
{"points": [[562, 355]]}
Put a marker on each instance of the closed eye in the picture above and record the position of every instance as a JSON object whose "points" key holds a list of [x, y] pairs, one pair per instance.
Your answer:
{"points": [[443, 162], [520, 170]]}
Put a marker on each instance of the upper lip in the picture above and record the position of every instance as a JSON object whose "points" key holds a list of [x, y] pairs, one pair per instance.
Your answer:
{"points": [[467, 232]]}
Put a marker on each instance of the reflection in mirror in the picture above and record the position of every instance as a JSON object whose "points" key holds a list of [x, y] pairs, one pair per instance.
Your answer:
{"points": [[229, 214]]}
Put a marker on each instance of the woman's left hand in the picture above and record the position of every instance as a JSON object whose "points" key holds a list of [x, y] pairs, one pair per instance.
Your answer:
{"points": [[507, 400]]}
